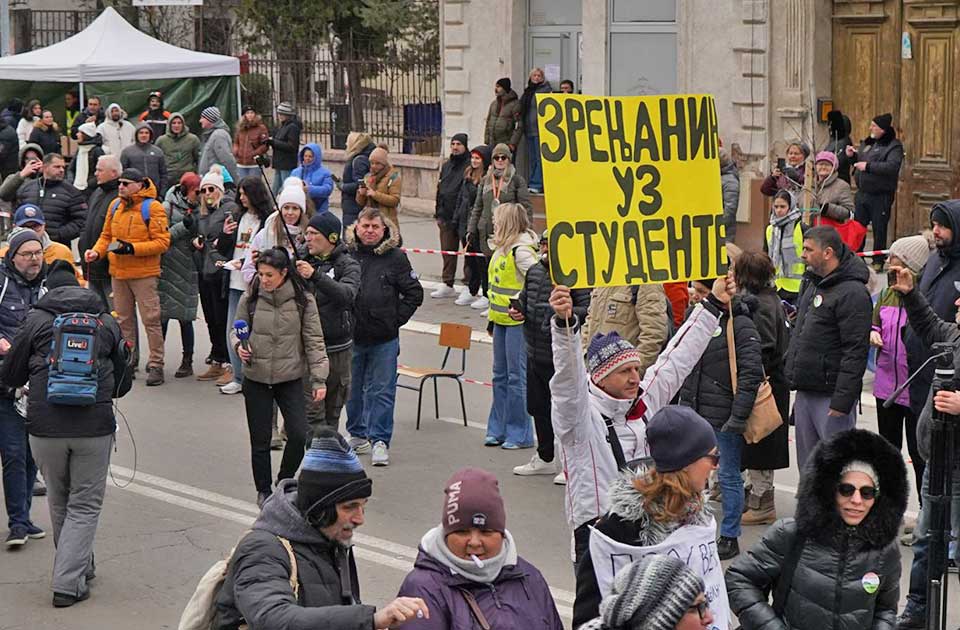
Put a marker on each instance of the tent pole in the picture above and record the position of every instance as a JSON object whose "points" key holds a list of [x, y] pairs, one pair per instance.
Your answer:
{"points": [[83, 100], [239, 104]]}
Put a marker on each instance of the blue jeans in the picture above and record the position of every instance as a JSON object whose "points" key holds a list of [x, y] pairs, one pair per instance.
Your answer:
{"points": [[731, 483], [917, 596], [278, 177], [247, 171], [232, 300], [19, 470], [374, 391], [536, 167], [509, 421]]}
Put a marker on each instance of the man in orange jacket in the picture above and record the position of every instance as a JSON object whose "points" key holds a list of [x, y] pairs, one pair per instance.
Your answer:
{"points": [[135, 236]]}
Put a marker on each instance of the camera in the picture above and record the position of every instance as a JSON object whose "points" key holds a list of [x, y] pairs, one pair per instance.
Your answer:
{"points": [[262, 160], [891, 278], [781, 164]]}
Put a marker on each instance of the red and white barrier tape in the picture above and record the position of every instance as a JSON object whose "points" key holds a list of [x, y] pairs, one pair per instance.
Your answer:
{"points": [[876, 252], [421, 250]]}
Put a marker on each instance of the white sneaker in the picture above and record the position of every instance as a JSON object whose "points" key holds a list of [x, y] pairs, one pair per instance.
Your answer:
{"points": [[359, 445], [480, 303], [536, 466], [232, 387], [444, 292], [484, 312], [465, 298], [560, 479], [381, 455]]}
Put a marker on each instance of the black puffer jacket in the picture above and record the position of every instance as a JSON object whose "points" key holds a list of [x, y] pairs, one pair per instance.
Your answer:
{"points": [[390, 292], [448, 188], [830, 584], [353, 173], [257, 586], [936, 285], [285, 142], [537, 312], [9, 149], [709, 390], [884, 158], [28, 362], [831, 335], [334, 284], [97, 208], [64, 207]]}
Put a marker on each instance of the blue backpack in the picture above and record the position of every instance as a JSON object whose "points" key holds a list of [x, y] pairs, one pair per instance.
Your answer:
{"points": [[72, 375], [144, 209]]}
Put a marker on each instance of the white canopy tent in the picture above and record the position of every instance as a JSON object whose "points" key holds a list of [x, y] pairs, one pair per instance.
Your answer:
{"points": [[111, 49]]}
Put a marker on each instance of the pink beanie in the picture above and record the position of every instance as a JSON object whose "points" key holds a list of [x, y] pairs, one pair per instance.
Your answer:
{"points": [[828, 156]]}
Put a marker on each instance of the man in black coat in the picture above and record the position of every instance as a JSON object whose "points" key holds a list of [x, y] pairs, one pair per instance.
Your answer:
{"points": [[877, 169], [830, 341], [308, 521], [285, 142], [448, 191], [97, 273], [9, 149], [535, 313], [64, 207], [71, 444], [92, 113], [334, 278], [390, 293]]}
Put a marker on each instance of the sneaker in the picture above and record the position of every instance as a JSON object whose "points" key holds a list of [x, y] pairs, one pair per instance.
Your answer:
{"points": [[465, 298], [35, 532], [492, 441], [727, 548], [444, 292], [560, 479], [226, 378], [511, 446], [213, 372], [359, 445], [154, 375], [186, 367], [231, 388], [480, 303], [381, 454], [535, 466], [64, 600], [908, 540], [39, 488], [17, 537], [911, 622]]}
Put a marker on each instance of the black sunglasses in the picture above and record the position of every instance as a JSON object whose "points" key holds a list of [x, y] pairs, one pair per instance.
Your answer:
{"points": [[209, 189], [498, 158], [701, 609], [867, 493]]}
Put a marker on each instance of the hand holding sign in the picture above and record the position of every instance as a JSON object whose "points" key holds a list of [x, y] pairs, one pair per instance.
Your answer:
{"points": [[561, 302]]}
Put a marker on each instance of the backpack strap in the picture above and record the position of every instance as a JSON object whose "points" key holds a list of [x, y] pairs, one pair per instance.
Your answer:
{"points": [[475, 608], [294, 580], [790, 562], [144, 209]]}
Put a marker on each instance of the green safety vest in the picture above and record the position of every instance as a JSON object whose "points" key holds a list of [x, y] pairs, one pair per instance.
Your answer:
{"points": [[790, 272], [504, 284]]}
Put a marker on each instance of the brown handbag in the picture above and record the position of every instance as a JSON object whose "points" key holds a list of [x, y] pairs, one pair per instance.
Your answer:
{"points": [[765, 417]]}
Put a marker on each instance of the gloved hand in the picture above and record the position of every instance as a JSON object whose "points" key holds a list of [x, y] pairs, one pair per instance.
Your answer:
{"points": [[125, 248], [734, 425], [189, 221], [268, 142]]}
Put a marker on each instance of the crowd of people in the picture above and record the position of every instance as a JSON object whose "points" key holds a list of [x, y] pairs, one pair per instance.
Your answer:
{"points": [[636, 399]]}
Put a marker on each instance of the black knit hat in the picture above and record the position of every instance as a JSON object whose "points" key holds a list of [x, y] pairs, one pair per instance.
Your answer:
{"points": [[61, 274], [678, 436], [504, 83], [131, 174], [330, 474], [462, 138], [884, 121], [327, 224]]}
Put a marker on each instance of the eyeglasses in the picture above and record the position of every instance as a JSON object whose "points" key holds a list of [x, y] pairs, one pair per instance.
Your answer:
{"points": [[209, 189], [500, 158], [867, 493], [31, 255], [701, 609], [714, 458], [125, 183]]}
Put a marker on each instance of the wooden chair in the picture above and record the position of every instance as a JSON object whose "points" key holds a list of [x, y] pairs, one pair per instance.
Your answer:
{"points": [[452, 337]]}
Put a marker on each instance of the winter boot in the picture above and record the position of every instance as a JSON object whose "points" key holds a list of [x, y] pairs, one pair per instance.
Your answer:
{"points": [[186, 367], [765, 512]]}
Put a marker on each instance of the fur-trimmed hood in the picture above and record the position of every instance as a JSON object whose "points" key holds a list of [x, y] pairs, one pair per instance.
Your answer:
{"points": [[817, 516], [391, 238]]}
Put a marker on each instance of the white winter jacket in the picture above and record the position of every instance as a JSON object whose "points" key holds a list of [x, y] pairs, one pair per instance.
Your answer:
{"points": [[579, 407]]}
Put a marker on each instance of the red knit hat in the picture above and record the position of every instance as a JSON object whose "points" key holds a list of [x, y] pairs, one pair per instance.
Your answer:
{"points": [[472, 499]]}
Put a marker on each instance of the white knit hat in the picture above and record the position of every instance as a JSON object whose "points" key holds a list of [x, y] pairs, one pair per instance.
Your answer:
{"points": [[212, 179], [292, 194], [912, 250], [88, 129], [857, 465]]}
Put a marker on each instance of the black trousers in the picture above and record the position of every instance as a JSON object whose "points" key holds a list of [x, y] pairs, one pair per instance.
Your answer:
{"points": [[258, 399], [874, 208], [581, 542], [891, 424], [214, 304], [538, 406]]}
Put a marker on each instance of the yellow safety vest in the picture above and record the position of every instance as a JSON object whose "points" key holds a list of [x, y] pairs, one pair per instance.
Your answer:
{"points": [[504, 284], [790, 272]]}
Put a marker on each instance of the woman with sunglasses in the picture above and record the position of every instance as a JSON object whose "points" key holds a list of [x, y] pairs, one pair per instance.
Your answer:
{"points": [[290, 222], [658, 505], [836, 564], [285, 346]]}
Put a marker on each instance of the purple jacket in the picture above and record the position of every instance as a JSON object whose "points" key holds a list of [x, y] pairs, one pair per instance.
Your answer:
{"points": [[890, 319], [519, 599]]}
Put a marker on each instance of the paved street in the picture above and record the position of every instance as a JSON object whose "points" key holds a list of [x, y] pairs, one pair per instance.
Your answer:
{"points": [[192, 495]]}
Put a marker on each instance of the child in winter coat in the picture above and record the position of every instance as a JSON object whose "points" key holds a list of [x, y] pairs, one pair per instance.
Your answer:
{"points": [[889, 321]]}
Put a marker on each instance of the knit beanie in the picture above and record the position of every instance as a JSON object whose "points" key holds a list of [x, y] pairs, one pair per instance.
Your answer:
{"points": [[286, 109], [857, 465], [504, 83], [88, 129], [212, 114], [212, 179], [884, 121], [607, 353], [292, 194], [19, 236], [912, 250], [502, 149], [61, 274], [189, 182], [462, 138], [828, 156], [327, 224], [472, 499], [653, 593], [330, 473], [939, 214], [677, 437]]}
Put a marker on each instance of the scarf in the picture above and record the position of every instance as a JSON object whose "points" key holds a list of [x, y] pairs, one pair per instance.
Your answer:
{"points": [[83, 166], [782, 225], [433, 543]]}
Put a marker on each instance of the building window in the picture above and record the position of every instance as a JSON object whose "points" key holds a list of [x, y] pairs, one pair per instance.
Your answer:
{"points": [[644, 11], [643, 47], [555, 12]]}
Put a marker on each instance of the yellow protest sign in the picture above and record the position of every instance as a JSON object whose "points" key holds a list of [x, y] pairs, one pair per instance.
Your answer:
{"points": [[632, 188]]}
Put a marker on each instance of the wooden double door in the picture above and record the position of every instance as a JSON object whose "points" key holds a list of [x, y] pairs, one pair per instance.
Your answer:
{"points": [[903, 57]]}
